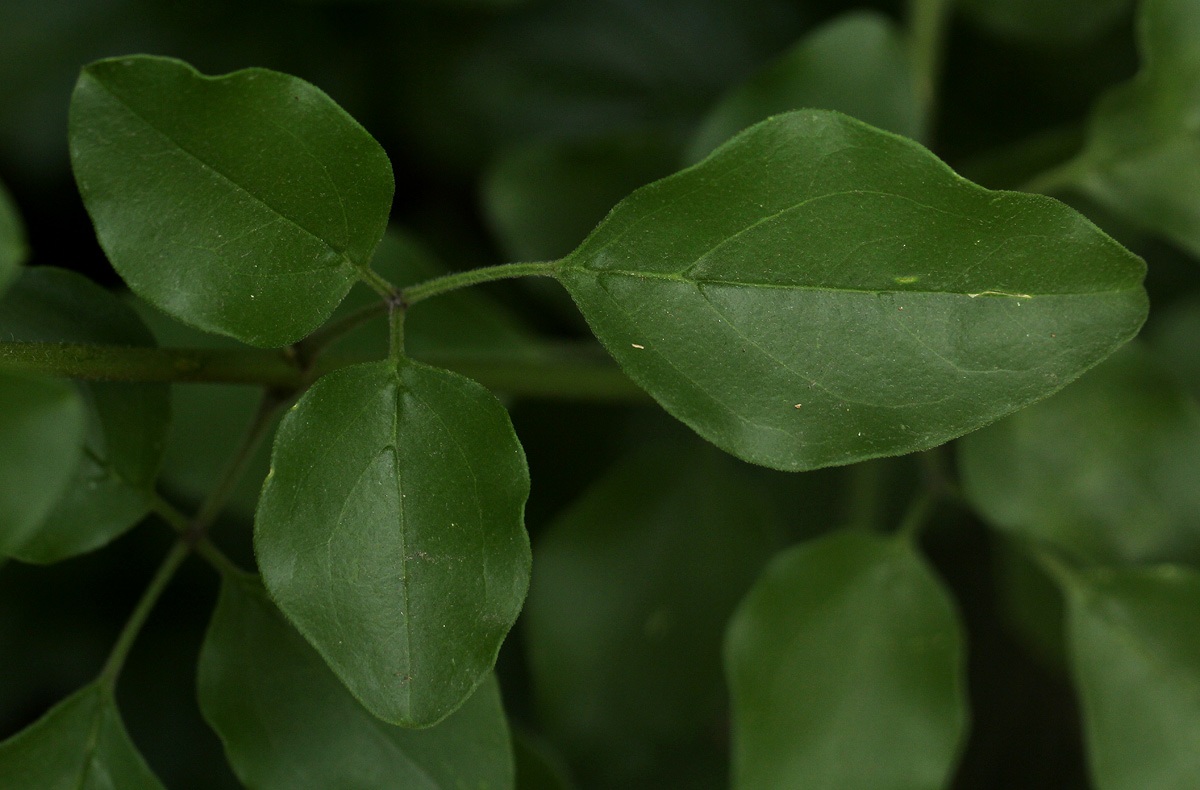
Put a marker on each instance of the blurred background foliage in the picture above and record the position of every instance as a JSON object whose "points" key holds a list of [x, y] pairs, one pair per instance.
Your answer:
{"points": [[513, 126]]}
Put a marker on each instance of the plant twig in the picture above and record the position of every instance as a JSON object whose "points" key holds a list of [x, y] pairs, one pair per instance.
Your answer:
{"points": [[133, 626], [450, 282], [176, 519]]}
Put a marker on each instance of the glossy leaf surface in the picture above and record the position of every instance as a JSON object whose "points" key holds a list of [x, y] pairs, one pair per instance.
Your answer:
{"points": [[81, 744], [42, 426], [1107, 469], [390, 533], [243, 204], [13, 247], [845, 665], [856, 64], [1142, 157], [288, 723], [1135, 645], [126, 423], [631, 592], [819, 292]]}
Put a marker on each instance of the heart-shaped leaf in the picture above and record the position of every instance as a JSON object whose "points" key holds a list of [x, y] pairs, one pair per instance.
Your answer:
{"points": [[41, 430], [244, 204], [1135, 651], [287, 723], [819, 292], [126, 423], [390, 532], [81, 744], [845, 666]]}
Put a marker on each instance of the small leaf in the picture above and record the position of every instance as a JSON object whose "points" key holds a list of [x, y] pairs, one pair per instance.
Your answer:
{"points": [[632, 588], [244, 204], [819, 292], [1107, 469], [127, 423], [1135, 647], [14, 250], [288, 723], [41, 430], [390, 533], [81, 744], [845, 666], [1058, 22], [1142, 157], [857, 64]]}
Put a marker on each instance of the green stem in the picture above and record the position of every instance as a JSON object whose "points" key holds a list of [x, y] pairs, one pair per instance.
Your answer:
{"points": [[379, 284], [545, 370], [308, 349], [917, 515], [204, 547], [396, 331], [268, 406], [450, 282], [927, 21], [863, 494], [162, 577]]}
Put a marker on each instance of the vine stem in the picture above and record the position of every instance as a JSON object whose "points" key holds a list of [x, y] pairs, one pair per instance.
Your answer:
{"points": [[133, 626], [176, 519], [927, 22], [449, 282]]}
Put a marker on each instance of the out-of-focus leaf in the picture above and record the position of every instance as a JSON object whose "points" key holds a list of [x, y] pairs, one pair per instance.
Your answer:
{"points": [[42, 425], [543, 198], [536, 768], [632, 588], [857, 64], [127, 423], [390, 533], [288, 723], [1142, 157], [845, 666], [1106, 470], [13, 248], [81, 744], [1135, 649], [244, 204], [1175, 341], [1055, 22], [819, 292]]}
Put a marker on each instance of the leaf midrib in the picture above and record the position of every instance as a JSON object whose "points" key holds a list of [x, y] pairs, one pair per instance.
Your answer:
{"points": [[341, 253]]}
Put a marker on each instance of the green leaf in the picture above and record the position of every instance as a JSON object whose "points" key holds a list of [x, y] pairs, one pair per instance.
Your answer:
{"points": [[1105, 470], [126, 423], [845, 666], [537, 768], [1173, 339], [543, 198], [632, 588], [288, 723], [1135, 647], [244, 204], [1142, 157], [1057, 22], [41, 430], [390, 533], [819, 292], [857, 64], [14, 249], [81, 744]]}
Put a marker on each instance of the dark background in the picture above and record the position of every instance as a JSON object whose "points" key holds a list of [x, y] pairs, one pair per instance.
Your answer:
{"points": [[448, 88]]}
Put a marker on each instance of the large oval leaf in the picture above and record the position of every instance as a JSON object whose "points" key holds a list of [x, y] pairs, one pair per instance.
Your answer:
{"points": [[1135, 649], [818, 292], [845, 665], [390, 532], [243, 204], [632, 588], [1106, 470], [288, 724], [127, 423], [1142, 157], [81, 744], [41, 430], [13, 247]]}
